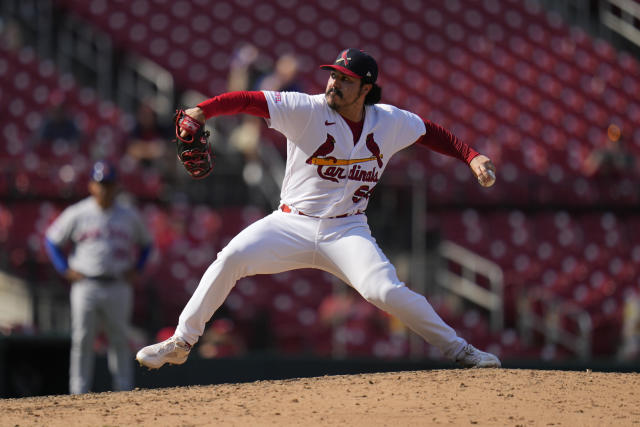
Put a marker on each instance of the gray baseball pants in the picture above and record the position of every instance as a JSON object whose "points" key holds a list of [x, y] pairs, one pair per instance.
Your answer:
{"points": [[95, 304]]}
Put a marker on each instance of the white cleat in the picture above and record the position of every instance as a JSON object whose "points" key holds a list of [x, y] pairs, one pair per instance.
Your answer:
{"points": [[471, 357], [173, 351]]}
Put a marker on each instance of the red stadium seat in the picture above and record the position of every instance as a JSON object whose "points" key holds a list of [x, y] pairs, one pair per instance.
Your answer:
{"points": [[506, 76]]}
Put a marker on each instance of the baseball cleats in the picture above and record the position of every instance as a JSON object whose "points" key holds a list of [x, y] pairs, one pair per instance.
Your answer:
{"points": [[173, 351], [471, 357]]}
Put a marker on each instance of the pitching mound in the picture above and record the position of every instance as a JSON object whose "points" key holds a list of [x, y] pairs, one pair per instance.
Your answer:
{"points": [[441, 397]]}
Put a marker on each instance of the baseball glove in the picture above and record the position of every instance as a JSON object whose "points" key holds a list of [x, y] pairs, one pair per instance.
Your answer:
{"points": [[194, 150]]}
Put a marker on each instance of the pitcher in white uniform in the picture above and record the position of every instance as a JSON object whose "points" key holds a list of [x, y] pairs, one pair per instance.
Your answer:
{"points": [[338, 145], [108, 245]]}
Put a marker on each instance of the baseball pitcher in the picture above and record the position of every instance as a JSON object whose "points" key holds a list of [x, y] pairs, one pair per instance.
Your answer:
{"points": [[338, 145]]}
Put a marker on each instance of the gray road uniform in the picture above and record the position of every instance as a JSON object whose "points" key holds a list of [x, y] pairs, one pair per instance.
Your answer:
{"points": [[105, 246]]}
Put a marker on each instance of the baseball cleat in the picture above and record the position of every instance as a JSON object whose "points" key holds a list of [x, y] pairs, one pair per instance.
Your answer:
{"points": [[173, 351], [471, 357]]}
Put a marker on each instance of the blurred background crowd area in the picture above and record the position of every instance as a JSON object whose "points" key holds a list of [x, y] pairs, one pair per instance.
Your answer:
{"points": [[544, 265]]}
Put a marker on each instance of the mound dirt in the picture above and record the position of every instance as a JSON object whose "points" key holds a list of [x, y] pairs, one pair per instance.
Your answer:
{"points": [[501, 397]]}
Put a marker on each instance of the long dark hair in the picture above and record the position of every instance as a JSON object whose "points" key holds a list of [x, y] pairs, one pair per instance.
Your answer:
{"points": [[374, 95]]}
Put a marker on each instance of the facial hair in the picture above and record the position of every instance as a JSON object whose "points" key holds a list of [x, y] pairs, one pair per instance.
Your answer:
{"points": [[337, 92]]}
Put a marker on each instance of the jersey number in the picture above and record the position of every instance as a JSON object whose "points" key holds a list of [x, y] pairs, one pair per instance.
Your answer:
{"points": [[362, 192]]}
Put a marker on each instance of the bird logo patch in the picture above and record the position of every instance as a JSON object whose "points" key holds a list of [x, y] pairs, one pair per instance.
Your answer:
{"points": [[344, 58]]}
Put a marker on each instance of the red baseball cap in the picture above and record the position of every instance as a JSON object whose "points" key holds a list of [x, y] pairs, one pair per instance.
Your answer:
{"points": [[355, 63]]}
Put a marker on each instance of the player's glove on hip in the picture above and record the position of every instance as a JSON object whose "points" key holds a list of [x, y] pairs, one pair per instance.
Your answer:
{"points": [[194, 150]]}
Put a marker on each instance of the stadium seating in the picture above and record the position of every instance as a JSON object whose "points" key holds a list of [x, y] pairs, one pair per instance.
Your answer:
{"points": [[507, 76], [490, 66], [494, 83], [55, 169], [583, 258]]}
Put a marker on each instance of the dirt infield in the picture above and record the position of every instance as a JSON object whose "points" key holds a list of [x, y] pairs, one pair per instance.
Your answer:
{"points": [[505, 397]]}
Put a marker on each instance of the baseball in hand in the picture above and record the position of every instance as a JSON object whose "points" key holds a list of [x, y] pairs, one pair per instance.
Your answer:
{"points": [[488, 182]]}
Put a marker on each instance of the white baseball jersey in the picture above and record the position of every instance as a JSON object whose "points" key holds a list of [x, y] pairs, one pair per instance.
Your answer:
{"points": [[326, 174], [327, 178], [104, 240]]}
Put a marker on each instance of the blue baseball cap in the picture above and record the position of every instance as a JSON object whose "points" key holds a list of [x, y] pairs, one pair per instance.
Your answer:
{"points": [[103, 172]]}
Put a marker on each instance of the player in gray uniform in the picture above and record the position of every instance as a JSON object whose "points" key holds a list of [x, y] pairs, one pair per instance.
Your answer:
{"points": [[108, 245]]}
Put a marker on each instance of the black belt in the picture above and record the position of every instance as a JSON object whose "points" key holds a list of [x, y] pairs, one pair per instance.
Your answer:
{"points": [[103, 278]]}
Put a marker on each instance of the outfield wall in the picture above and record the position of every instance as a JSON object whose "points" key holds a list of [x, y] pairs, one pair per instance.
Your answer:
{"points": [[32, 366]]}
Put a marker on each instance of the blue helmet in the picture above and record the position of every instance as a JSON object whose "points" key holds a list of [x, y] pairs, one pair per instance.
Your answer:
{"points": [[103, 172]]}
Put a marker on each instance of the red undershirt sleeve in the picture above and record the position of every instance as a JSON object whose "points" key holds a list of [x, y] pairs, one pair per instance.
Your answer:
{"points": [[441, 140], [249, 102]]}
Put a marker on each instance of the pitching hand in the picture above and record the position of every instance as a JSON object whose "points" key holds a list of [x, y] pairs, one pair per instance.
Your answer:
{"points": [[484, 170], [195, 113]]}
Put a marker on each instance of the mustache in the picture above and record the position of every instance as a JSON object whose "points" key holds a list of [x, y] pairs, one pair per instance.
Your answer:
{"points": [[334, 90]]}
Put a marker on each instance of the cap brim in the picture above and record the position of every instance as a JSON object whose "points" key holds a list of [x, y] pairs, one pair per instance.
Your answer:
{"points": [[105, 181], [341, 69]]}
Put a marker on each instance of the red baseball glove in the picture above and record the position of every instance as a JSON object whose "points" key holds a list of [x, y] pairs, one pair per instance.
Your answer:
{"points": [[194, 150]]}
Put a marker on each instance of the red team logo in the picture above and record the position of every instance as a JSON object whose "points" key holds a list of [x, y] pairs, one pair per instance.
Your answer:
{"points": [[375, 149], [344, 58]]}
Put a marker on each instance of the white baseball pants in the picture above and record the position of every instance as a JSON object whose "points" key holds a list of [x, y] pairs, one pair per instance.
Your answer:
{"points": [[343, 247]]}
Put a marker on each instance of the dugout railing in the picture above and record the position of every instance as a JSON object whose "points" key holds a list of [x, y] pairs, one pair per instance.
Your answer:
{"points": [[623, 17], [557, 321], [461, 273]]}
